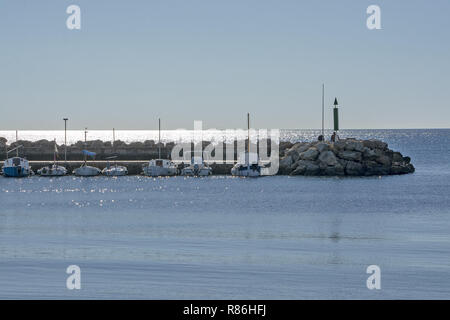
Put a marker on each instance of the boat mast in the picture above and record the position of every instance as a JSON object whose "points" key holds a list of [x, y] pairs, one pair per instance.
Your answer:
{"points": [[54, 153], [113, 142], [85, 144], [159, 138], [248, 133], [17, 142], [323, 111]]}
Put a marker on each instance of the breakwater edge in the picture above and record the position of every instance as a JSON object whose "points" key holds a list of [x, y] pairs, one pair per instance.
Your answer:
{"points": [[346, 157]]}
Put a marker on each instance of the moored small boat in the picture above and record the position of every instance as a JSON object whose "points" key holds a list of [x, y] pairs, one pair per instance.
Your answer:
{"points": [[197, 168], [53, 170], [248, 166], [248, 163], [159, 168], [114, 170], [85, 170], [16, 167]]}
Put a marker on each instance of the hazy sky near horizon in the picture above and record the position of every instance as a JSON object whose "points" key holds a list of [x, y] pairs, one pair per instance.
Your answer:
{"points": [[216, 60]]}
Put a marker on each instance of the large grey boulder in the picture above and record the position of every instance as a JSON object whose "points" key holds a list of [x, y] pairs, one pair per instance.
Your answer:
{"points": [[328, 158], [307, 168], [384, 160], [401, 168], [285, 164], [369, 154], [350, 155], [354, 145], [339, 145], [354, 168], [375, 144], [322, 147], [300, 168], [397, 157], [310, 154], [312, 169], [296, 149], [373, 168], [337, 170]]}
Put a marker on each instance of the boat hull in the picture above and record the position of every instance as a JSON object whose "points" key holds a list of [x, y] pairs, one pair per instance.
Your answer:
{"points": [[53, 171], [87, 171], [157, 171], [16, 172], [115, 171], [241, 171], [201, 172]]}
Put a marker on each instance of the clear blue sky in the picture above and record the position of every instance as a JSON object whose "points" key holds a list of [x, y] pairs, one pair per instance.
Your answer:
{"points": [[215, 60]]}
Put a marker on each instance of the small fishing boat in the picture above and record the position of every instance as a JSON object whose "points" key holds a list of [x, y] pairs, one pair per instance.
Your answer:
{"points": [[247, 166], [16, 167], [114, 170], [85, 170], [159, 167], [53, 170], [197, 168], [248, 163]]}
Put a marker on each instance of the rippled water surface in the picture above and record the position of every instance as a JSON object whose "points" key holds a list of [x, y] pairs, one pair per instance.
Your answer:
{"points": [[230, 238]]}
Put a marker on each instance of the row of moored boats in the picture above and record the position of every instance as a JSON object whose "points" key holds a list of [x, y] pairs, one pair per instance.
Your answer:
{"points": [[247, 166]]}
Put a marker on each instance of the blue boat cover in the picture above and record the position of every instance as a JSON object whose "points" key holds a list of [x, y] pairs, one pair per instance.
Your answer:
{"points": [[89, 153]]}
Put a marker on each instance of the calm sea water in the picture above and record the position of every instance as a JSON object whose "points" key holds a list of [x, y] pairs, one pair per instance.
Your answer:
{"points": [[230, 238]]}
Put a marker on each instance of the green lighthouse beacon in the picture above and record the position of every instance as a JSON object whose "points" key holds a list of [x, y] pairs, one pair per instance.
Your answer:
{"points": [[336, 115]]}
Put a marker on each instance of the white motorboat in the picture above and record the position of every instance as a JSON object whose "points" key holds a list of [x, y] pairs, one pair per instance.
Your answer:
{"points": [[159, 167], [53, 170], [114, 170], [85, 170], [197, 168], [247, 167], [248, 163], [16, 167]]}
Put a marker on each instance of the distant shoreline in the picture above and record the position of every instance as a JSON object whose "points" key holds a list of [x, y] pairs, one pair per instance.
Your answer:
{"points": [[130, 136]]}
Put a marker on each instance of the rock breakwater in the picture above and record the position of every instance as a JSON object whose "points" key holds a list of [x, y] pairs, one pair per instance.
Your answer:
{"points": [[347, 157]]}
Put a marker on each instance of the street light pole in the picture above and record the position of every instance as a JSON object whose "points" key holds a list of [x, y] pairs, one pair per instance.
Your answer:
{"points": [[17, 142], [323, 111], [65, 139]]}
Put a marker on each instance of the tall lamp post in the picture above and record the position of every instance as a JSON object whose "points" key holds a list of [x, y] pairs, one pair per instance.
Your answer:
{"points": [[65, 139]]}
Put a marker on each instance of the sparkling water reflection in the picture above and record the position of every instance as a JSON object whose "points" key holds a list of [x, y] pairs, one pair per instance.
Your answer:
{"points": [[224, 237]]}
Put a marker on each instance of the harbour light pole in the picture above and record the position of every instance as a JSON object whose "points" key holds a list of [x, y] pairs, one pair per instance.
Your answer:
{"points": [[65, 139], [323, 111], [17, 142], [336, 115]]}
